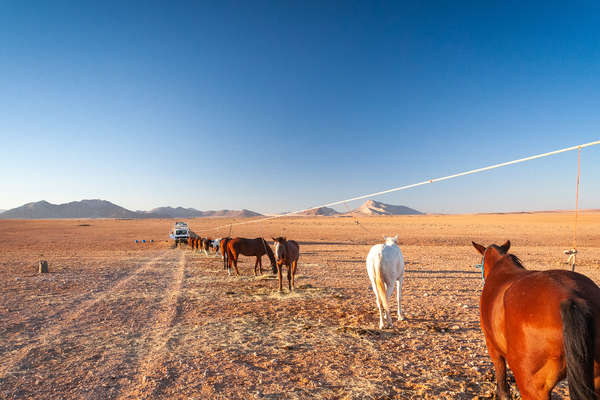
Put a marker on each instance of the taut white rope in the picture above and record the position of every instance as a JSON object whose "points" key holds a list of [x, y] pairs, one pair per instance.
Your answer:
{"points": [[473, 171]]}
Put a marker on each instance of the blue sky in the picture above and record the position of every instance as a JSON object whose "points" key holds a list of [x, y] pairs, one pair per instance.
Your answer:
{"points": [[278, 106]]}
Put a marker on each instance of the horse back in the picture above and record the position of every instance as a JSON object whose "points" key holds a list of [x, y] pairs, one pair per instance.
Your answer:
{"points": [[388, 259], [530, 306]]}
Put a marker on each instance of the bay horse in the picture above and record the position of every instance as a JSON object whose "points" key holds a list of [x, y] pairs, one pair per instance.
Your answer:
{"points": [[287, 253], [385, 266], [205, 245], [545, 324], [249, 247]]}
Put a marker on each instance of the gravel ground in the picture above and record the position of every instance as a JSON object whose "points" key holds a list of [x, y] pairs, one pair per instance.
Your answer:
{"points": [[114, 319]]}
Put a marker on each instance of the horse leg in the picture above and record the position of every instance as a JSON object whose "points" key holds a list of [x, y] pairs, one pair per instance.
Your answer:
{"points": [[373, 283], [399, 299], [279, 267], [260, 264], [389, 291], [502, 388], [235, 260], [293, 274], [536, 382], [255, 266]]}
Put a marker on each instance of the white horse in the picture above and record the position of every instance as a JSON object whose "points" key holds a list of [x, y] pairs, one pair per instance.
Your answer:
{"points": [[385, 266]]}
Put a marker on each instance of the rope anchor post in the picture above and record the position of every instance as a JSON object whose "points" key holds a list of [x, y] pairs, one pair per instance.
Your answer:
{"points": [[573, 252], [572, 257]]}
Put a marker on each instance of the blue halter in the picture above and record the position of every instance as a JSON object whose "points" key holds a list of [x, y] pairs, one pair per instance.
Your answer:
{"points": [[482, 267]]}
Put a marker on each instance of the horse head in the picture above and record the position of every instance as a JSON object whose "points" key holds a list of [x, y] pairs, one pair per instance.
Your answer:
{"points": [[280, 249], [490, 255]]}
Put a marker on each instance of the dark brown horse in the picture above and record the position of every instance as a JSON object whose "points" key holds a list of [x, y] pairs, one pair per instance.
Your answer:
{"points": [[249, 247], [287, 253], [545, 324]]}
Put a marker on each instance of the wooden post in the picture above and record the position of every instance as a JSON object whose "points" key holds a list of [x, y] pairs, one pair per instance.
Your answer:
{"points": [[43, 267]]}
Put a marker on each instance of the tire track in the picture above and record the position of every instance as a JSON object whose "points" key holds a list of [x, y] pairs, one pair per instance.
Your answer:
{"points": [[149, 379], [11, 360], [77, 301]]}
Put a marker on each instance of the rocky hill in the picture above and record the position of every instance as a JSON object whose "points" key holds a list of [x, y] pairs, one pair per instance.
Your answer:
{"points": [[325, 211], [106, 209], [75, 209], [372, 207], [175, 212]]}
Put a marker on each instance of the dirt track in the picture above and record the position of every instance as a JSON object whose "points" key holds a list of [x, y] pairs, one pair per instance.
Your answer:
{"points": [[115, 319]]}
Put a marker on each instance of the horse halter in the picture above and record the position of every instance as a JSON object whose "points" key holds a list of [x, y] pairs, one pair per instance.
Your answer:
{"points": [[482, 267]]}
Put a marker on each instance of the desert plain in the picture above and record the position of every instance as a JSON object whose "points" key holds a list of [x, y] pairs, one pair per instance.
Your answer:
{"points": [[115, 319]]}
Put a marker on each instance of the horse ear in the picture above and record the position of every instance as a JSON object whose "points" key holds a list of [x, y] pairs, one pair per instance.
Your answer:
{"points": [[273, 239], [506, 246], [479, 247]]}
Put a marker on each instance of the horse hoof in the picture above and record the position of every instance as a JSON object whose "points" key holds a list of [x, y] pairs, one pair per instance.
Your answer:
{"points": [[401, 318]]}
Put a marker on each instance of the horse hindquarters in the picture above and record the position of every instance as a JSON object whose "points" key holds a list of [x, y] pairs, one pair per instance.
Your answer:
{"points": [[578, 338]]}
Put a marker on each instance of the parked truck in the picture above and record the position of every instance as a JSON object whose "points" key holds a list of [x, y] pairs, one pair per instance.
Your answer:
{"points": [[180, 233]]}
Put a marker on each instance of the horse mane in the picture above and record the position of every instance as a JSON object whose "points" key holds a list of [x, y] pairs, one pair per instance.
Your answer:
{"points": [[516, 260]]}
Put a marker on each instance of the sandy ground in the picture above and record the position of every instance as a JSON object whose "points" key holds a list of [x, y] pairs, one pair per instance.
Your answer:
{"points": [[119, 320]]}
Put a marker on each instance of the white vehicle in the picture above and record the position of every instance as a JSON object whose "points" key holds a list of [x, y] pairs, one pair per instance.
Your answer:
{"points": [[180, 233]]}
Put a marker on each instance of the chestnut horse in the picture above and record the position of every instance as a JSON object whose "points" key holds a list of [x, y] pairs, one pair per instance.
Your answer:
{"points": [[249, 247], [545, 324], [287, 253]]}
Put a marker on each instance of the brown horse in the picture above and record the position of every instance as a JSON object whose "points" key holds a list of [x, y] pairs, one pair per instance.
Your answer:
{"points": [[205, 245], [287, 253], [249, 247], [545, 324]]}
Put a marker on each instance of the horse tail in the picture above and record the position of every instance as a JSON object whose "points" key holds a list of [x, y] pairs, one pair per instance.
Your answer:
{"points": [[578, 337], [225, 252], [379, 285]]}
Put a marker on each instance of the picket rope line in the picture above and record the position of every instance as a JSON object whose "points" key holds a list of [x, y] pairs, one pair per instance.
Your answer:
{"points": [[397, 189]]}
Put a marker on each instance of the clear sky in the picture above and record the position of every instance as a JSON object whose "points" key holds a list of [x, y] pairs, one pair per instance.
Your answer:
{"points": [[276, 106]]}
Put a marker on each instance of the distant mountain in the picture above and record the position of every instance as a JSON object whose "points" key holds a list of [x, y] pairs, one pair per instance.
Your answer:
{"points": [[231, 213], [106, 209], [372, 207], [177, 212], [326, 211], [75, 209], [180, 212]]}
